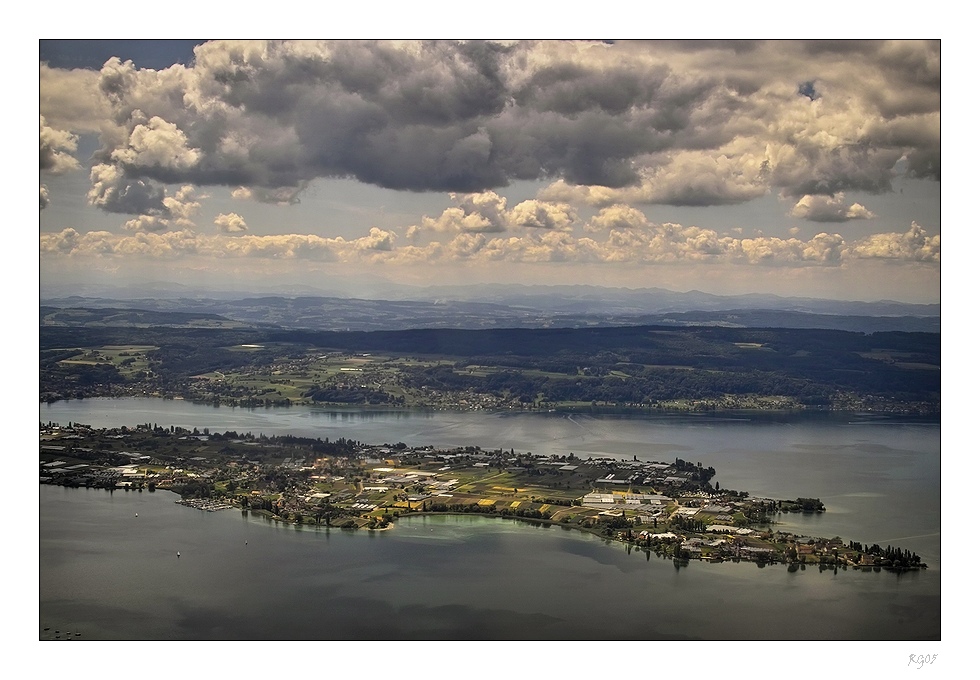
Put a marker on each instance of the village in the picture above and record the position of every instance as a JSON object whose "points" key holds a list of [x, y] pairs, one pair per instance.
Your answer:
{"points": [[669, 509]]}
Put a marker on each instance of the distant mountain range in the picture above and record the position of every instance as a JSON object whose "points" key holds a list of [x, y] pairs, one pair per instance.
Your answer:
{"points": [[576, 299], [493, 306], [589, 299]]}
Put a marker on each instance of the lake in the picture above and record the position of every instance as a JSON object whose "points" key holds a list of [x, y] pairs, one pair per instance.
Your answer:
{"points": [[112, 575]]}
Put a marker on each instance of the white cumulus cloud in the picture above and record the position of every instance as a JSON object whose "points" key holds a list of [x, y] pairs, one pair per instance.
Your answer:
{"points": [[916, 244], [230, 223], [487, 212], [147, 223], [157, 144], [57, 147], [652, 244], [829, 209]]}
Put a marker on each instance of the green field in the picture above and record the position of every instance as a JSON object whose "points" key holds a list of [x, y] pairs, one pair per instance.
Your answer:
{"points": [[607, 368]]}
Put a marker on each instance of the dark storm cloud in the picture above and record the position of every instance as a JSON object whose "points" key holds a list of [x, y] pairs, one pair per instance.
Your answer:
{"points": [[846, 48], [571, 88], [733, 46], [470, 116], [114, 192], [423, 159], [828, 172], [925, 164], [590, 148]]}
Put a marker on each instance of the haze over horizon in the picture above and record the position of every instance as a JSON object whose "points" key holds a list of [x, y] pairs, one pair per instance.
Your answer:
{"points": [[797, 168]]}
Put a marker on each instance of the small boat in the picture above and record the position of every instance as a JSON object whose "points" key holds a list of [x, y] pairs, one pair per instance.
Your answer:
{"points": [[178, 554], [137, 514]]}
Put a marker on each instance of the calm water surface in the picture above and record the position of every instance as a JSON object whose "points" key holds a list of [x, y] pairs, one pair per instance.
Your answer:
{"points": [[113, 575]]}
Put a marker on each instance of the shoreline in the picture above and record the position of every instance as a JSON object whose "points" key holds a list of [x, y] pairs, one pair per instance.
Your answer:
{"points": [[202, 505], [775, 413], [701, 558], [670, 509]]}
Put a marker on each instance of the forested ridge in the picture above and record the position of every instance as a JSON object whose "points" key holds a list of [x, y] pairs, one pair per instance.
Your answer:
{"points": [[632, 365]]}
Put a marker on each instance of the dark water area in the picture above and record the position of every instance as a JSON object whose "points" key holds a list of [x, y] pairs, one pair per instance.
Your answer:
{"points": [[112, 575], [109, 574]]}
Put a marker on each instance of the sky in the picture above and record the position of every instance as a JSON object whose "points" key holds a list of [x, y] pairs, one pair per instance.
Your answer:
{"points": [[806, 168]]}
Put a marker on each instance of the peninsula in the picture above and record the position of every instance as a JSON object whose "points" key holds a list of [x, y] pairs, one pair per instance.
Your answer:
{"points": [[671, 508]]}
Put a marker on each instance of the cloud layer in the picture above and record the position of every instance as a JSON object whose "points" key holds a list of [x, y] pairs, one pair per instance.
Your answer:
{"points": [[623, 236], [684, 123], [610, 153]]}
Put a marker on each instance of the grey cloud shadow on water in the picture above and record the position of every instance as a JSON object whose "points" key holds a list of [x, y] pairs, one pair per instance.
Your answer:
{"points": [[358, 618], [606, 555], [81, 616]]}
